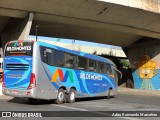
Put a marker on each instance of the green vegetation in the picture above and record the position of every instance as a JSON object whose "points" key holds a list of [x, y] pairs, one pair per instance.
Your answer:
{"points": [[124, 63]]}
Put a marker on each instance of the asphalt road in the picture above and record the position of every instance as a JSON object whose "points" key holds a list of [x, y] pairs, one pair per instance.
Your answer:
{"points": [[126, 101]]}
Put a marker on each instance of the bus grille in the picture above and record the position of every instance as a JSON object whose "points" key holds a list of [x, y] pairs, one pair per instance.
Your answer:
{"points": [[17, 66]]}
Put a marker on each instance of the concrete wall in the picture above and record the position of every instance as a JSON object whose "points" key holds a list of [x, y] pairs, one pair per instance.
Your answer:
{"points": [[17, 29], [145, 63]]}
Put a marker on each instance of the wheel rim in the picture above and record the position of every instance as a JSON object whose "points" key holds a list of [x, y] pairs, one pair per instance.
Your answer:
{"points": [[72, 96], [60, 96]]}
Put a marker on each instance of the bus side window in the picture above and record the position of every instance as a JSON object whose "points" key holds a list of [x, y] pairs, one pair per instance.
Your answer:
{"points": [[92, 65], [108, 69], [100, 67], [70, 60], [58, 58], [43, 54], [48, 57], [82, 63]]}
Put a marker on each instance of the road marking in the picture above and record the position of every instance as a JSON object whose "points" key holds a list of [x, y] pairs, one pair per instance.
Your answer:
{"points": [[130, 118], [73, 108], [112, 106]]}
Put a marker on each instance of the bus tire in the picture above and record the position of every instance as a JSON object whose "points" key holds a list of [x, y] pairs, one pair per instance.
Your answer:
{"points": [[60, 97], [71, 96], [109, 94]]}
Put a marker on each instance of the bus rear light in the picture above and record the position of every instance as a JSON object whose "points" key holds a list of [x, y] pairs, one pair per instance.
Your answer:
{"points": [[3, 84], [27, 93], [32, 81]]}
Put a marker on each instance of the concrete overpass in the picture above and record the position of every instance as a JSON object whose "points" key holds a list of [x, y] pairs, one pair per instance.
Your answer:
{"points": [[103, 21], [132, 24]]}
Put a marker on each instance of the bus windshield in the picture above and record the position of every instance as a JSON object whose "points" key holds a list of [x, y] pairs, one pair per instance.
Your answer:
{"points": [[19, 48]]}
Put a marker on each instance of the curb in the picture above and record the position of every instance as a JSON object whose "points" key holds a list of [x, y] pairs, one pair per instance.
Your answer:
{"points": [[139, 92]]}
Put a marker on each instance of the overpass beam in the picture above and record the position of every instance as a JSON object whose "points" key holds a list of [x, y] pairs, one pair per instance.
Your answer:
{"points": [[27, 27], [145, 63], [17, 29]]}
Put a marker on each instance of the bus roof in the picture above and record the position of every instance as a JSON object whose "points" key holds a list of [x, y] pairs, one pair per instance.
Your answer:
{"points": [[83, 54]]}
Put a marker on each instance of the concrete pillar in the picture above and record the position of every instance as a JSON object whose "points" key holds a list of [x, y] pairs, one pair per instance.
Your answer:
{"points": [[145, 63], [17, 29]]}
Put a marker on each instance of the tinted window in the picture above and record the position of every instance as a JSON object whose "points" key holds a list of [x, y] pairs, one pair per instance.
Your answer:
{"points": [[108, 69], [43, 54], [92, 65], [19, 48], [70, 60], [58, 58], [100, 67], [82, 63], [47, 55], [52, 57], [62, 59]]}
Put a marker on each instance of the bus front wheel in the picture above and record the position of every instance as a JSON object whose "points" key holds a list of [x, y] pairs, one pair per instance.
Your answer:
{"points": [[60, 97], [71, 96]]}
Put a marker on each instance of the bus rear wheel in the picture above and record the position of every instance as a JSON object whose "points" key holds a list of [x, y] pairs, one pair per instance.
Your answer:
{"points": [[60, 97], [71, 96]]}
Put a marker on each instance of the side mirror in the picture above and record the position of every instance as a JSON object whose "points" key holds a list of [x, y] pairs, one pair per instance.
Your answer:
{"points": [[119, 73]]}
